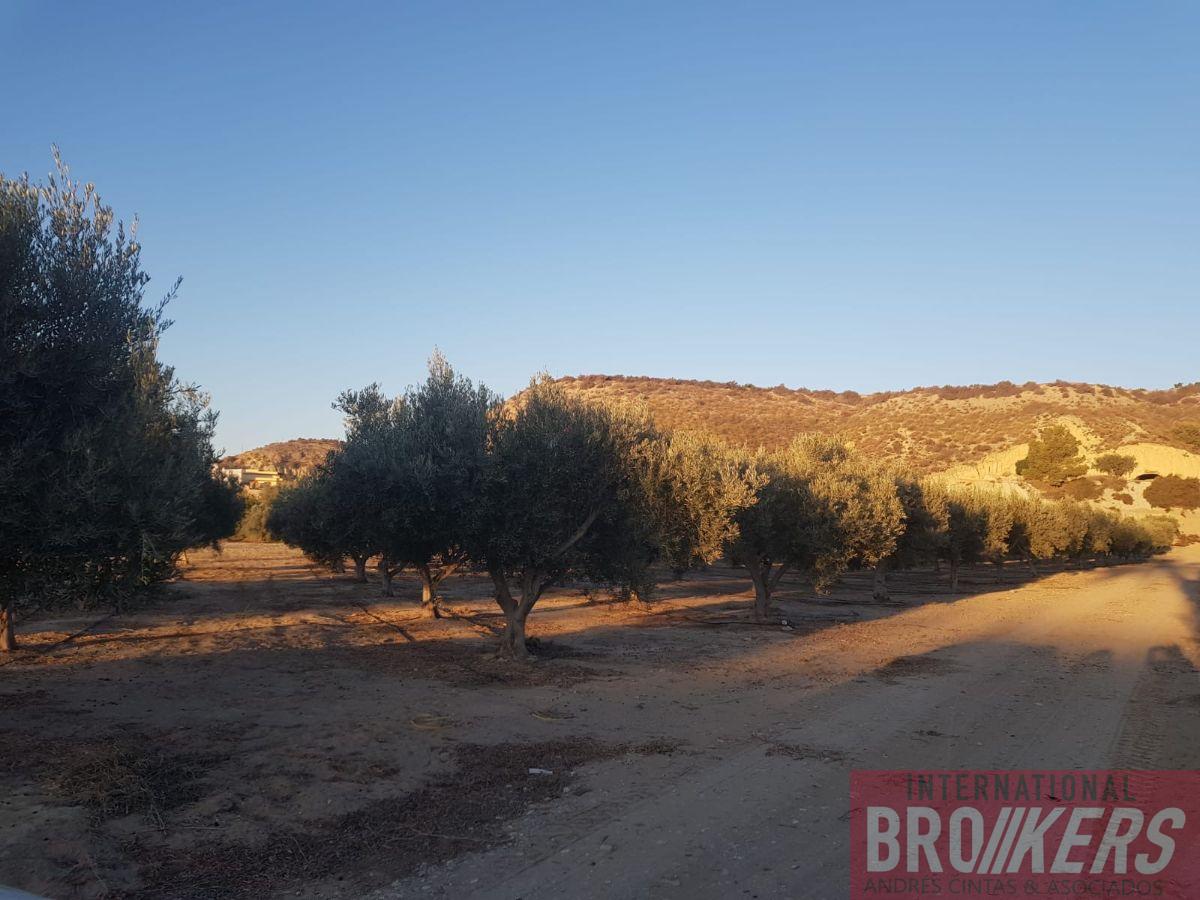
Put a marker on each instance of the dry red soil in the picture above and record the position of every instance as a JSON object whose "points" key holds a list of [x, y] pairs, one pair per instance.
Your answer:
{"points": [[267, 729]]}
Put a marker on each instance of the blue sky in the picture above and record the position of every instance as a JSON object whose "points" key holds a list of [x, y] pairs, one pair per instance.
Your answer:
{"points": [[838, 195]]}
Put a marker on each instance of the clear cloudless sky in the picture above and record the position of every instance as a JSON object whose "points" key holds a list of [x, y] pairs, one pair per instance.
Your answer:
{"points": [[847, 195]]}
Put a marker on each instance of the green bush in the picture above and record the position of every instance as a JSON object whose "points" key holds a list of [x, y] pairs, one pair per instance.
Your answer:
{"points": [[1174, 492], [252, 527], [1116, 464], [1084, 489], [1053, 457]]}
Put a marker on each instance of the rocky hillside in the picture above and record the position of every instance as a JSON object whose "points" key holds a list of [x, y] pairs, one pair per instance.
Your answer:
{"points": [[292, 459], [930, 428]]}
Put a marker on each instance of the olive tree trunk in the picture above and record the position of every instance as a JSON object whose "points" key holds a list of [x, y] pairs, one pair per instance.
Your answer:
{"points": [[533, 582], [954, 566], [513, 642], [387, 571], [765, 577], [431, 579], [879, 588], [516, 610], [8, 637], [428, 597], [360, 569], [759, 577], [637, 601]]}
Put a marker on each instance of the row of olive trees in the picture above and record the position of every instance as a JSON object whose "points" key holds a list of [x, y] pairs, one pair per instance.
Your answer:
{"points": [[106, 460], [820, 509], [544, 489], [964, 526], [551, 488]]}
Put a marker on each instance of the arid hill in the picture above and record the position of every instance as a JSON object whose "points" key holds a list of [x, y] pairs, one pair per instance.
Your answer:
{"points": [[292, 458], [932, 428]]}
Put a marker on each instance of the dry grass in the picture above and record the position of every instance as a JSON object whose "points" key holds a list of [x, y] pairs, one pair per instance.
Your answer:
{"points": [[462, 812], [126, 774]]}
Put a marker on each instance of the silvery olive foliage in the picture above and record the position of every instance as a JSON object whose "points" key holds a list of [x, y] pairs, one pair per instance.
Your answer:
{"points": [[106, 458]]}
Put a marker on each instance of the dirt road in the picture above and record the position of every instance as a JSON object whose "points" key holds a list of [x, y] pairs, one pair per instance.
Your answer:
{"points": [[280, 732], [1086, 670]]}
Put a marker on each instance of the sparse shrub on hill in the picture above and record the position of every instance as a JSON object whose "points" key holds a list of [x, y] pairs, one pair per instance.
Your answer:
{"points": [[1053, 457], [105, 457], [292, 459], [1188, 434], [1174, 492], [941, 426], [1083, 489], [1117, 464]]}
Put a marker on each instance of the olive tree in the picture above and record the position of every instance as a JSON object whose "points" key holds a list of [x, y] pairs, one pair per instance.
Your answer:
{"points": [[924, 521], [966, 533], [322, 516], [818, 510], [364, 480], [1049, 532], [1101, 528], [301, 516], [410, 470], [871, 514], [437, 470], [691, 487], [560, 480], [106, 460]]}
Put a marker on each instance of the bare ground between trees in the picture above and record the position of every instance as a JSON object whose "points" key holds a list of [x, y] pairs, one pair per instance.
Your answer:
{"points": [[268, 729]]}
